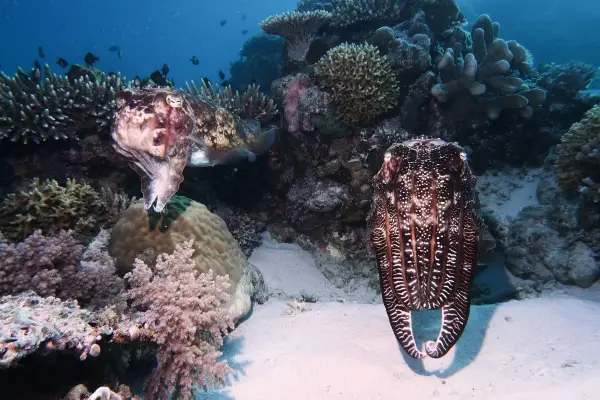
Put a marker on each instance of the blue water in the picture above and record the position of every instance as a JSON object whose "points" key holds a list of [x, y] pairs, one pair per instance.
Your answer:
{"points": [[150, 33], [552, 30]]}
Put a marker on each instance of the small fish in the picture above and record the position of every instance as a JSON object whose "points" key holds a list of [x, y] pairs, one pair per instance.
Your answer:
{"points": [[120, 54], [222, 23], [159, 78], [195, 60], [244, 31], [41, 52], [90, 59], [62, 62], [164, 70], [221, 74], [114, 48], [243, 17], [37, 64]]}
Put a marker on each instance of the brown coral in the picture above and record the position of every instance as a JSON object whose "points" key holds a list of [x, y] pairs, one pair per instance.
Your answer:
{"points": [[146, 234]]}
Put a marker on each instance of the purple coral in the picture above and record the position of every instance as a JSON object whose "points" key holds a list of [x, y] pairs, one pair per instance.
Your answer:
{"points": [[50, 266]]}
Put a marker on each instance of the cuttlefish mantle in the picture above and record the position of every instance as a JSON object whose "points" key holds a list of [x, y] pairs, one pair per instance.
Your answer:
{"points": [[161, 130]]}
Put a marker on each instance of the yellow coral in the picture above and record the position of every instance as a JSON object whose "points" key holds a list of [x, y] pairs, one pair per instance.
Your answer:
{"points": [[50, 208], [360, 80], [143, 234], [579, 153]]}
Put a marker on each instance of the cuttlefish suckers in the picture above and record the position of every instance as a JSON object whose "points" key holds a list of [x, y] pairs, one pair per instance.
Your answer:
{"points": [[425, 237], [160, 131]]}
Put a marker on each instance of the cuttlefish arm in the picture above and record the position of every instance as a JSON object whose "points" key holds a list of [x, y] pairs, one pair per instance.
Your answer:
{"points": [[152, 130]]}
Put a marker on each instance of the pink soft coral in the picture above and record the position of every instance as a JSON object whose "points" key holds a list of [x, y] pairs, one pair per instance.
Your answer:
{"points": [[185, 311], [292, 95]]}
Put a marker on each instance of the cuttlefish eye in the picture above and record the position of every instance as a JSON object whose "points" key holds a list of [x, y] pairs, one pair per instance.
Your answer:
{"points": [[174, 101]]}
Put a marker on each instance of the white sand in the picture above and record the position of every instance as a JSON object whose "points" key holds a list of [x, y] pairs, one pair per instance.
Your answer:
{"points": [[546, 348]]}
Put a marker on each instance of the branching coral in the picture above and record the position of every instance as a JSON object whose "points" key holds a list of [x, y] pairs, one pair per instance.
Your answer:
{"points": [[349, 12], [297, 28], [488, 80], [251, 104], [41, 105], [578, 163], [360, 80], [187, 314], [51, 207]]}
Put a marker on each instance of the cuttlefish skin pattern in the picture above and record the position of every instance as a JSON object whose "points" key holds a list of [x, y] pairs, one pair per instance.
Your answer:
{"points": [[425, 237], [152, 130], [161, 131]]}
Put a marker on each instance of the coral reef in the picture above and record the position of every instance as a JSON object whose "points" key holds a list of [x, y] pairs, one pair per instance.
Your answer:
{"points": [[146, 234], [186, 312], [350, 12], [360, 80], [58, 266], [42, 105], [260, 62], [297, 28], [486, 81], [250, 104], [30, 323], [51, 207], [578, 159], [545, 244]]}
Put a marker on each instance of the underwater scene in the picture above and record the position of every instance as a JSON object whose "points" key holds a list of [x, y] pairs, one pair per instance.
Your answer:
{"points": [[299, 200]]}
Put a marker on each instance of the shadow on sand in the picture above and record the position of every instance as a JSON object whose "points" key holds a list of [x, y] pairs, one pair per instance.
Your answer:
{"points": [[492, 285]]}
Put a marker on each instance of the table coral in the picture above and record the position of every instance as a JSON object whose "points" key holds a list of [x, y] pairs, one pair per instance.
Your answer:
{"points": [[297, 28]]}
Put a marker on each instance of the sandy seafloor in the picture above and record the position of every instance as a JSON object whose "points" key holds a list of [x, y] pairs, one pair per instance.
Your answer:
{"points": [[342, 348]]}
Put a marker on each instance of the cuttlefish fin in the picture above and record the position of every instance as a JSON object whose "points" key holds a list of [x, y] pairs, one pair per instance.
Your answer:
{"points": [[261, 143]]}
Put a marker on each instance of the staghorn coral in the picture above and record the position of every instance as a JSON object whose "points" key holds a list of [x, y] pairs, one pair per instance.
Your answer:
{"points": [[350, 12], [251, 104], [186, 312], [51, 207], [139, 233], [487, 80], [360, 80], [578, 162], [42, 105], [297, 28]]}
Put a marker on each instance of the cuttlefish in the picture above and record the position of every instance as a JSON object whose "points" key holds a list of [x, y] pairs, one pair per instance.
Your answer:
{"points": [[425, 235], [161, 131]]}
